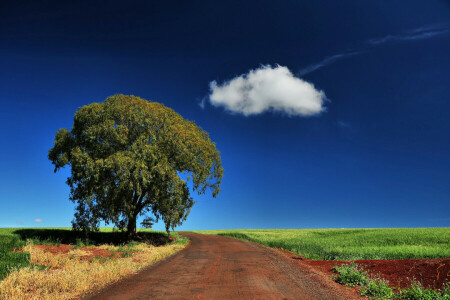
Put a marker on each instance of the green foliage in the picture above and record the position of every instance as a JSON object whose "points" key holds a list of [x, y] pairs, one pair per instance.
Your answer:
{"points": [[132, 244], [80, 243], [417, 292], [446, 289], [127, 156], [378, 288], [182, 240], [351, 274], [351, 244], [9, 259], [148, 222], [126, 254]]}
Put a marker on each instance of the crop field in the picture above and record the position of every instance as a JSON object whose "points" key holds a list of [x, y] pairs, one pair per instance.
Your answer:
{"points": [[351, 244]]}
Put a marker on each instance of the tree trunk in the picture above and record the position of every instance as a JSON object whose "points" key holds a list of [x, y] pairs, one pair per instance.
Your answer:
{"points": [[168, 231], [131, 227]]}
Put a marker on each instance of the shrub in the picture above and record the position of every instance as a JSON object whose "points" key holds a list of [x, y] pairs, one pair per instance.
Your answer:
{"points": [[351, 274], [417, 292], [446, 290], [378, 288]]}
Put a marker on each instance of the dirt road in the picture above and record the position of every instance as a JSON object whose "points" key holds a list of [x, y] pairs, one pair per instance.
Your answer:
{"points": [[215, 267]]}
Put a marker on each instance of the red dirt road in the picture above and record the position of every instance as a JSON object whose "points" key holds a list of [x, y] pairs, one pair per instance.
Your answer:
{"points": [[215, 267]]}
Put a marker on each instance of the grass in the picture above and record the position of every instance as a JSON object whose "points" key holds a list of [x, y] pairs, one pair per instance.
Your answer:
{"points": [[72, 275], [9, 259], [351, 244], [376, 288], [35, 273], [16, 238]]}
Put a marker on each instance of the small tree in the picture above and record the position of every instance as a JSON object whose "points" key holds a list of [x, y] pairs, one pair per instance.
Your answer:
{"points": [[128, 157]]}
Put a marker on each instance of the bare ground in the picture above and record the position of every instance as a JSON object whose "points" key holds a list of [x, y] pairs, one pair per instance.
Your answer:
{"points": [[215, 267]]}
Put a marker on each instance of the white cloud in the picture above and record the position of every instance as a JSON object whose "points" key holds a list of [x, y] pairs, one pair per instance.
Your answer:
{"points": [[38, 220], [267, 89]]}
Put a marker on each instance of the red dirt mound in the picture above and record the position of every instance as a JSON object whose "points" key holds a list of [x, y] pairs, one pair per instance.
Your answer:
{"points": [[431, 273]]}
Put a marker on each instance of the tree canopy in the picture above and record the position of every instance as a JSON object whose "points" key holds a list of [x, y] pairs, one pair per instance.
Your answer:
{"points": [[132, 157]]}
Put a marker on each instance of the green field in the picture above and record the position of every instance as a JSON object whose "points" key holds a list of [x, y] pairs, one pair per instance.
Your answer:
{"points": [[351, 244], [14, 238]]}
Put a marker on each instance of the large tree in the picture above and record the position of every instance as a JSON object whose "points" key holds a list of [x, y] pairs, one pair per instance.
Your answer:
{"points": [[132, 157]]}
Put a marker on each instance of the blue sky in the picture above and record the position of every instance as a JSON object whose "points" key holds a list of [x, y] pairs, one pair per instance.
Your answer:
{"points": [[375, 155]]}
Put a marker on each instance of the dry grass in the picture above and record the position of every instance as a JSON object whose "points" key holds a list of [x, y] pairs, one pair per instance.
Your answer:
{"points": [[72, 275]]}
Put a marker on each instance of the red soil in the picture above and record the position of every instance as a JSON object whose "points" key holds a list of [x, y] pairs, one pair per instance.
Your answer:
{"points": [[217, 267], [91, 251], [431, 273]]}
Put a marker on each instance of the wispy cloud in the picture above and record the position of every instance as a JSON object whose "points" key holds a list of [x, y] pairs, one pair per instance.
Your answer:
{"points": [[202, 102], [326, 61], [343, 124], [429, 27], [38, 220], [419, 33]]}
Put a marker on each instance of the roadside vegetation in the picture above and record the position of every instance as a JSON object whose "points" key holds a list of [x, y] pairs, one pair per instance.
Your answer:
{"points": [[351, 244], [374, 287], [61, 264], [8, 258]]}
